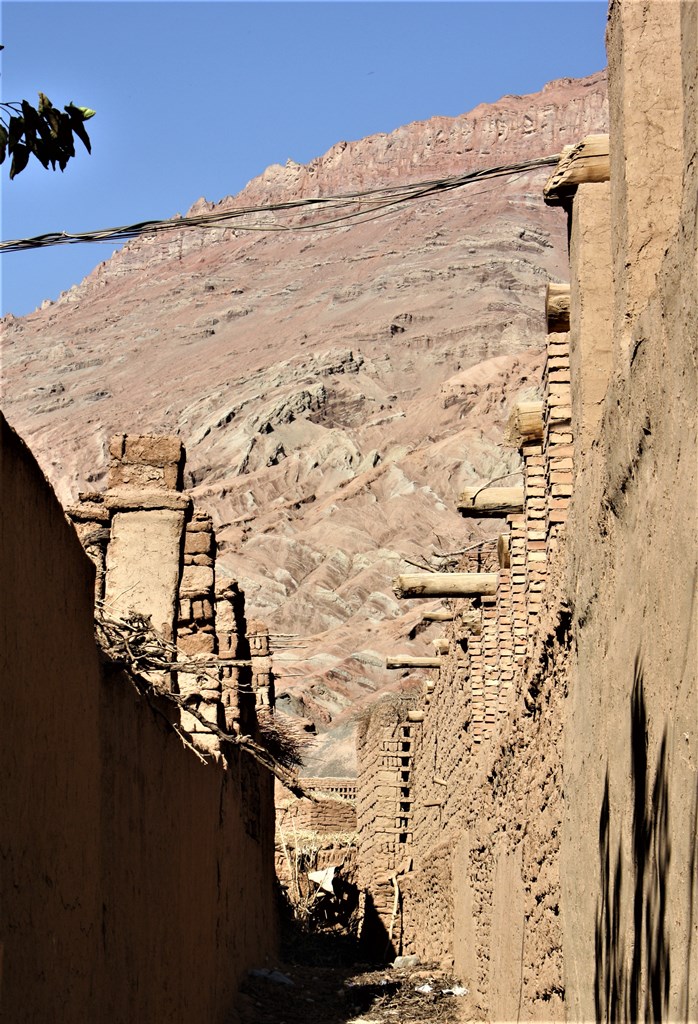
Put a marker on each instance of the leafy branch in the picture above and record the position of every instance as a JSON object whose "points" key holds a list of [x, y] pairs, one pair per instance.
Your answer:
{"points": [[45, 131]]}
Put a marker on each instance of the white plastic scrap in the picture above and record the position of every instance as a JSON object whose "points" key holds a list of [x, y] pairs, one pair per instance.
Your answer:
{"points": [[424, 989], [457, 990]]}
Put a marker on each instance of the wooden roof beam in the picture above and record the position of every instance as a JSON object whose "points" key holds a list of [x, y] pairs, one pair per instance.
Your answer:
{"points": [[484, 502], [585, 163], [445, 584], [409, 661], [557, 307]]}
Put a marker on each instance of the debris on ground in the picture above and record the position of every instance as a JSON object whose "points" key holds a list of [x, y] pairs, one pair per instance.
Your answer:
{"points": [[354, 995]]}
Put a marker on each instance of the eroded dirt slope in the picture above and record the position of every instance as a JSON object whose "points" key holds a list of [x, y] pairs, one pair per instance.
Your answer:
{"points": [[335, 389]]}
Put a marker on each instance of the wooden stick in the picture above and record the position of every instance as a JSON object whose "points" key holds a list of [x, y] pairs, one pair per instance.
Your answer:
{"points": [[525, 423], [491, 501], [440, 615], [557, 308], [407, 661], [445, 584], [585, 163]]}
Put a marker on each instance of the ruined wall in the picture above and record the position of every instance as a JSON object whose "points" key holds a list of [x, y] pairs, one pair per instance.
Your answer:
{"points": [[136, 880], [629, 852], [384, 817], [332, 809], [554, 810], [483, 895]]}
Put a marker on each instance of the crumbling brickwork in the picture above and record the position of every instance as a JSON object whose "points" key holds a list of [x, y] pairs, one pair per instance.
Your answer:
{"points": [[137, 881], [155, 554], [554, 841]]}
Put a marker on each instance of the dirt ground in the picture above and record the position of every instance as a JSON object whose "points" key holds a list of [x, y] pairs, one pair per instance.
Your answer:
{"points": [[352, 995]]}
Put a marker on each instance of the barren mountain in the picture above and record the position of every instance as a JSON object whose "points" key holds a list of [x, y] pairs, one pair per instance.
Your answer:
{"points": [[335, 388]]}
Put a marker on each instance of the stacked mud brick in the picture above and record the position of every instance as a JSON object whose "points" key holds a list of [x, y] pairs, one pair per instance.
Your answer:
{"points": [[557, 431], [332, 810], [385, 748], [155, 554], [262, 675]]}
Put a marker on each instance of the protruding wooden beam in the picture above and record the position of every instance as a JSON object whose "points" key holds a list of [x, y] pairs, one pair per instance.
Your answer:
{"points": [[445, 584], [441, 644], [504, 551], [439, 615], [415, 716], [582, 164], [491, 501], [525, 422], [410, 661], [557, 308]]}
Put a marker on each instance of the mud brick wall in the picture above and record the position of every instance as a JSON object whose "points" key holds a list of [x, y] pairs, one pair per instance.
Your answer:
{"points": [[486, 793], [196, 623], [384, 808], [155, 554], [237, 696], [137, 882], [557, 438], [630, 847], [316, 816]]}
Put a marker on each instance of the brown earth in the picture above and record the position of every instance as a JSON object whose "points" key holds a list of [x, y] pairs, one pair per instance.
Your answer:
{"points": [[335, 389]]}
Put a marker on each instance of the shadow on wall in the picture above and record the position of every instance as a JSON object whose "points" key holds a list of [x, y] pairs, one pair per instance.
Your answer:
{"points": [[636, 986]]}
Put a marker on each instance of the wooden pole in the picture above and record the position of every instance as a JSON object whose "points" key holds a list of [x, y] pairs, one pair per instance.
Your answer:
{"points": [[525, 423], [557, 308], [440, 615], [445, 584], [491, 501], [415, 716], [584, 163], [409, 661]]}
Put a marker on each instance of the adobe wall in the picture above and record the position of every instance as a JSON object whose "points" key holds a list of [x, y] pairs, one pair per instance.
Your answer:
{"points": [[137, 880], [553, 793], [629, 853]]}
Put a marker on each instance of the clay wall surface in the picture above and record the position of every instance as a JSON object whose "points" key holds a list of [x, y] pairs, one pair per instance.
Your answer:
{"points": [[553, 851], [631, 754], [325, 813], [137, 880], [384, 812], [483, 895]]}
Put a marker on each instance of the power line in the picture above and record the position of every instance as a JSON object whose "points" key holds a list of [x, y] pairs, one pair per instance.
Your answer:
{"points": [[347, 207]]}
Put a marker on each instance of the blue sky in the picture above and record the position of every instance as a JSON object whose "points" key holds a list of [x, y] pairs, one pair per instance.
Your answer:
{"points": [[196, 98]]}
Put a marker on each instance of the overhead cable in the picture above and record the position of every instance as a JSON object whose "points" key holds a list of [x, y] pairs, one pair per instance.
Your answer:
{"points": [[347, 207]]}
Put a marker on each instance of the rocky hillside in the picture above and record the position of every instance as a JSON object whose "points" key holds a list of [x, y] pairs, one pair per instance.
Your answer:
{"points": [[335, 389]]}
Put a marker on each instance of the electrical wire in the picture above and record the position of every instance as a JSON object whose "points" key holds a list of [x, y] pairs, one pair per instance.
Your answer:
{"points": [[371, 203]]}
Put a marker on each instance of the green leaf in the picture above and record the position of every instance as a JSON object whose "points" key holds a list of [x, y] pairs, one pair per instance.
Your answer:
{"points": [[84, 113], [3, 143], [32, 121], [16, 132], [44, 103], [79, 129], [53, 117], [20, 158], [41, 151]]}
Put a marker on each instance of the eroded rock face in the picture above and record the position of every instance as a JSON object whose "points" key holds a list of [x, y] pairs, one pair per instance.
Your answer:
{"points": [[335, 389]]}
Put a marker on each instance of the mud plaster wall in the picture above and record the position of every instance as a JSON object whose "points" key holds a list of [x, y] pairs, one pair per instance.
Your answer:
{"points": [[629, 852], [484, 892], [136, 881]]}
